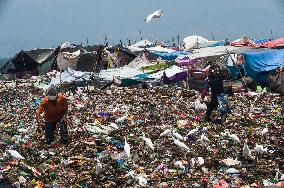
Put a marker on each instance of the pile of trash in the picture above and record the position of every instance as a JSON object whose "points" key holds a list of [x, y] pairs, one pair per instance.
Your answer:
{"points": [[122, 137]]}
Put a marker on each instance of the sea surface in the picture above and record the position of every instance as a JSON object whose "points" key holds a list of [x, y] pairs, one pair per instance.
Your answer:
{"points": [[3, 61]]}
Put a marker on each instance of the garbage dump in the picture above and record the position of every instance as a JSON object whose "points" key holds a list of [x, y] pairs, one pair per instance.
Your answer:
{"points": [[131, 137]]}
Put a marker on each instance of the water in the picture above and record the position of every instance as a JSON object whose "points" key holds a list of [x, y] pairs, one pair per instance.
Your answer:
{"points": [[3, 61]]}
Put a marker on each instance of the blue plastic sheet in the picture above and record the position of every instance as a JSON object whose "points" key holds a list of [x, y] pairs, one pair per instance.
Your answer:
{"points": [[259, 64], [170, 56]]}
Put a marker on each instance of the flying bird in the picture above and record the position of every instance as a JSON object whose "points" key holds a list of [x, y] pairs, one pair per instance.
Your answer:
{"points": [[156, 14]]}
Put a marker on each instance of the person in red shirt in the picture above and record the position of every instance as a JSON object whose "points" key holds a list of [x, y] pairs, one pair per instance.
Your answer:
{"points": [[55, 107]]}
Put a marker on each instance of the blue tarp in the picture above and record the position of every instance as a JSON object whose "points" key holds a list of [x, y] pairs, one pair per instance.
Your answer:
{"points": [[258, 64], [170, 56], [261, 41], [220, 43]]}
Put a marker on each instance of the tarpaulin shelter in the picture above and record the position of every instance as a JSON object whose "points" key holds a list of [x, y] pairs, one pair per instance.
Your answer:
{"points": [[196, 41], [33, 62], [46, 58], [259, 64], [21, 64], [89, 58], [279, 43]]}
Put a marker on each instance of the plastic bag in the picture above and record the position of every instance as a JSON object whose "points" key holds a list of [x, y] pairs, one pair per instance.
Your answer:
{"points": [[224, 105]]}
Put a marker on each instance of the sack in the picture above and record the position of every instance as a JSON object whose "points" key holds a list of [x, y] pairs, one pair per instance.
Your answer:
{"points": [[224, 105]]}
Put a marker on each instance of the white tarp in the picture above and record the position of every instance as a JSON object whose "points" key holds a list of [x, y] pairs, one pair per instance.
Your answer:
{"points": [[69, 55], [142, 43], [160, 49], [67, 45], [212, 51], [139, 62], [68, 76], [196, 41], [139, 46], [122, 72], [171, 71]]}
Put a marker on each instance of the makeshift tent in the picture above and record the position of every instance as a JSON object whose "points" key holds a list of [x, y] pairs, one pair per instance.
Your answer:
{"points": [[140, 61], [259, 64], [175, 78], [142, 43], [212, 51], [46, 58], [279, 43], [67, 76], [89, 58], [21, 64], [196, 41]]}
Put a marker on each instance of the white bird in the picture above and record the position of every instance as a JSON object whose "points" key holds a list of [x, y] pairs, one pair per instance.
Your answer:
{"points": [[260, 149], [156, 14], [199, 161], [148, 141], [121, 119], [234, 137], [99, 166], [15, 154], [178, 164], [180, 144], [264, 131], [114, 125], [177, 135], [192, 132], [142, 181], [165, 133], [126, 147], [246, 151], [203, 138]]}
